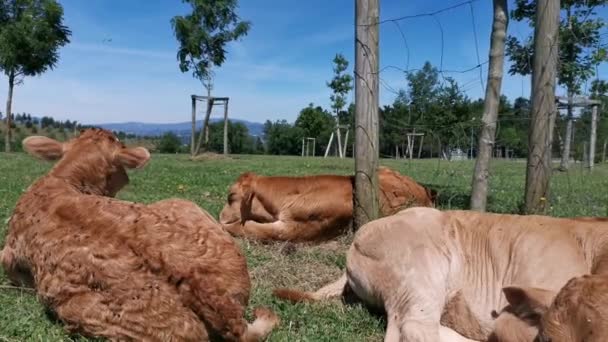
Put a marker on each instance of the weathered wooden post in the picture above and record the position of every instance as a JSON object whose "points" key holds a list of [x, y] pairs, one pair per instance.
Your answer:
{"points": [[487, 137], [367, 13], [193, 135], [226, 127], [538, 170], [593, 136]]}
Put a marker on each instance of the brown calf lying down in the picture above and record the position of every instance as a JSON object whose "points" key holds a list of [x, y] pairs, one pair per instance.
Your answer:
{"points": [[310, 208], [123, 270], [432, 270], [579, 312]]}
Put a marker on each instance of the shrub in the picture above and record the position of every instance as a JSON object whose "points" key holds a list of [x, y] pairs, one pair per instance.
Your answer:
{"points": [[169, 143]]}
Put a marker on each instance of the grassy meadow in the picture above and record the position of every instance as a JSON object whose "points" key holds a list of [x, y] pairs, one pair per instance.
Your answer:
{"points": [[206, 181]]}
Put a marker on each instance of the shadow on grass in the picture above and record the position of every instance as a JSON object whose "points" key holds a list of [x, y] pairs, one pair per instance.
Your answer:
{"points": [[449, 197]]}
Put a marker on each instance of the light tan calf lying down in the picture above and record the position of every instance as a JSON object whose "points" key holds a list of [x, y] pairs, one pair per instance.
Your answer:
{"points": [[440, 273], [310, 208]]}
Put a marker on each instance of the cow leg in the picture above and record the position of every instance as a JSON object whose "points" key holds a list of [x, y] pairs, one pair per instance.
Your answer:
{"points": [[392, 330], [16, 268], [278, 230], [417, 326], [223, 313], [422, 331], [448, 335], [419, 331], [152, 314], [413, 294]]}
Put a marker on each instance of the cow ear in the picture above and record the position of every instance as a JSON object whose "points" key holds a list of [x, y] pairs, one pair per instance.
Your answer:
{"points": [[133, 158], [246, 204], [527, 302], [44, 147]]}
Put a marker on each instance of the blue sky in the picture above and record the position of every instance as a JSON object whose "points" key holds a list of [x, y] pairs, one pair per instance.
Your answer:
{"points": [[275, 71]]}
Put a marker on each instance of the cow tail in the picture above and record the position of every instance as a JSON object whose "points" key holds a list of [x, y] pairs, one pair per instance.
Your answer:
{"points": [[332, 290]]}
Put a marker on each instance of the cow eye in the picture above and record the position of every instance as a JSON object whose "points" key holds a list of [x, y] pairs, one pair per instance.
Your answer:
{"points": [[231, 198]]}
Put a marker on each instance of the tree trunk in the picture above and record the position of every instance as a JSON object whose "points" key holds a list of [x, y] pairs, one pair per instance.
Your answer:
{"points": [[567, 137], [193, 135], [9, 105], [479, 192], [205, 127], [331, 139], [592, 137], [345, 143], [585, 156], [559, 137], [366, 111], [226, 128], [538, 168], [209, 109], [338, 136], [206, 124]]}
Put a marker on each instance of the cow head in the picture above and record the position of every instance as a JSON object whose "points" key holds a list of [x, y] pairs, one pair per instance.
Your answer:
{"points": [[240, 196], [577, 313], [519, 321], [94, 162]]}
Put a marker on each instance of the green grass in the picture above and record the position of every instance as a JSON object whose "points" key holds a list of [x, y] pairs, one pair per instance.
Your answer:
{"points": [[206, 181]]}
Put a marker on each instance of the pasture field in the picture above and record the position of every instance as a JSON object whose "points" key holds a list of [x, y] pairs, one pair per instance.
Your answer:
{"points": [[206, 181]]}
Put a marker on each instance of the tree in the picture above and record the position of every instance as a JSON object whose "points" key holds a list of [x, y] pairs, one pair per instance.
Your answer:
{"points": [[542, 115], [169, 143], [317, 123], [579, 36], [422, 90], [31, 33], [202, 36], [513, 127], [341, 85], [449, 115], [282, 138], [239, 139], [479, 192], [393, 128]]}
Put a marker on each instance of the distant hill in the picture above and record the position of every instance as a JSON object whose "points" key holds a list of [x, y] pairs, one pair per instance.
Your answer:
{"points": [[181, 129]]}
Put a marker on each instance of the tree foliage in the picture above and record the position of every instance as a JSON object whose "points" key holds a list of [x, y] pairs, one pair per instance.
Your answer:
{"points": [[438, 109], [169, 143], [282, 138], [579, 37], [31, 33], [203, 34], [341, 84], [315, 122], [239, 139]]}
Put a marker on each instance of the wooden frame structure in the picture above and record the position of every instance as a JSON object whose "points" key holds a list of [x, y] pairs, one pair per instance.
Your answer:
{"points": [[211, 101], [411, 140], [584, 102], [341, 148], [306, 146]]}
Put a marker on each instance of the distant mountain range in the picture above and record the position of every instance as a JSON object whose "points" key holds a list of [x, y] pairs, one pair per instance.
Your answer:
{"points": [[181, 129]]}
